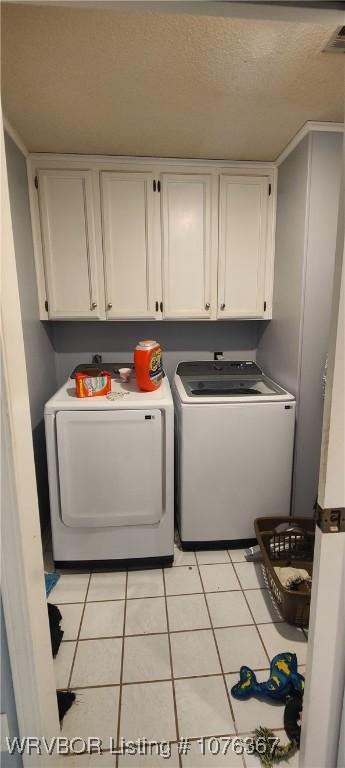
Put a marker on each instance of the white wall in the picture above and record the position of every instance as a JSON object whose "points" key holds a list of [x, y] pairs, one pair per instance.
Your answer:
{"points": [[39, 351]]}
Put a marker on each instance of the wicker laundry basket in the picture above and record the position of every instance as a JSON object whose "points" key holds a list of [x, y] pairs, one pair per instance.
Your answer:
{"points": [[287, 548]]}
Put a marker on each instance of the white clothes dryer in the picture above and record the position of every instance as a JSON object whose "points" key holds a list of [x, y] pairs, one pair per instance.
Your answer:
{"points": [[110, 467]]}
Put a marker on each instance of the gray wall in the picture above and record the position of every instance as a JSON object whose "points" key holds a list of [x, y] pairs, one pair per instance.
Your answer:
{"points": [[279, 341], [39, 351], [325, 172], [76, 342], [293, 348]]}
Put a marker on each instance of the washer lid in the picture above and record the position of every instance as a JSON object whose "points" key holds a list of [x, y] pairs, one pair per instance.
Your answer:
{"points": [[204, 386], [230, 386]]}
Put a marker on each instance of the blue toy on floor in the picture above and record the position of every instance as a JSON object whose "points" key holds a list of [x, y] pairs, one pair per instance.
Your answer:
{"points": [[50, 580], [283, 681]]}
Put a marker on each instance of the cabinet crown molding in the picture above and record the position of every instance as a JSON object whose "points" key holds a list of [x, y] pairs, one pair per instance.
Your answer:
{"points": [[49, 159]]}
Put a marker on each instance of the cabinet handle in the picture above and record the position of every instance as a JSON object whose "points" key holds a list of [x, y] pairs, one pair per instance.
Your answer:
{"points": [[207, 305], [157, 306], [222, 306], [109, 305], [93, 305], [161, 306]]}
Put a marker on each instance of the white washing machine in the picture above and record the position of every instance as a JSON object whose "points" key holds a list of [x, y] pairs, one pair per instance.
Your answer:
{"points": [[234, 450], [110, 465]]}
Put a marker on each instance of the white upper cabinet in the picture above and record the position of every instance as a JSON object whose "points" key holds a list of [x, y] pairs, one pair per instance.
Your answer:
{"points": [[68, 243], [127, 214], [243, 246], [138, 239], [186, 245]]}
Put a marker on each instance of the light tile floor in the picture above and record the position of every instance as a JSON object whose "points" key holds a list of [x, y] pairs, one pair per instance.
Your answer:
{"points": [[154, 653]]}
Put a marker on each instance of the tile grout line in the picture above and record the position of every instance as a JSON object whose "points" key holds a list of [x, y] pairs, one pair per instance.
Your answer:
{"points": [[174, 631], [121, 676], [171, 667], [161, 679], [244, 761], [218, 652], [265, 649], [257, 624], [265, 623], [220, 562], [78, 635], [192, 739], [256, 627], [176, 594]]}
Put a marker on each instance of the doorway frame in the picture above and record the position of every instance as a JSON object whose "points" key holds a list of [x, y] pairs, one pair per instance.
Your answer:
{"points": [[22, 569]]}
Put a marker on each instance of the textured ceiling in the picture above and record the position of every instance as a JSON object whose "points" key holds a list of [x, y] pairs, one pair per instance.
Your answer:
{"points": [[82, 80]]}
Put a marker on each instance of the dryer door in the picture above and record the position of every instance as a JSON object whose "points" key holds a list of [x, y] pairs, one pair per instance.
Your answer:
{"points": [[110, 467]]}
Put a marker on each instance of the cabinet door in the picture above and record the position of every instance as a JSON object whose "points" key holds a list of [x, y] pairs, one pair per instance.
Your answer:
{"points": [[186, 241], [126, 200], [242, 245], [68, 241]]}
